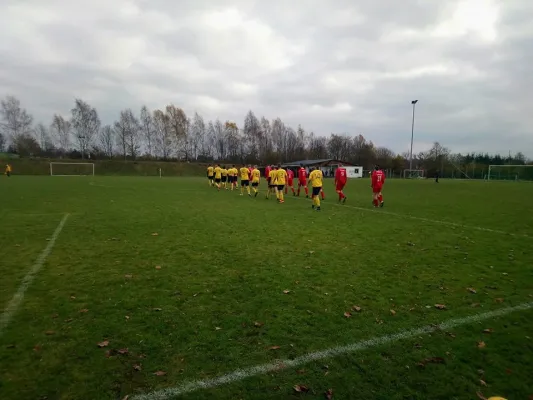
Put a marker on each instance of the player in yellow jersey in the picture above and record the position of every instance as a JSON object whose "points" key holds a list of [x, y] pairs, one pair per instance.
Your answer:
{"points": [[245, 180], [256, 177], [224, 174], [218, 176], [281, 180], [273, 174], [231, 175], [210, 174], [315, 178]]}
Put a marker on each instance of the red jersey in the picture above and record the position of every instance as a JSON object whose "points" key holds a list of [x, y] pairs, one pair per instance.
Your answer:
{"points": [[290, 175], [302, 175], [267, 171], [378, 178], [340, 175]]}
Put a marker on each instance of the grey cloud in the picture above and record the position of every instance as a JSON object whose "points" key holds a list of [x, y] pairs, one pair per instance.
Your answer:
{"points": [[372, 49]]}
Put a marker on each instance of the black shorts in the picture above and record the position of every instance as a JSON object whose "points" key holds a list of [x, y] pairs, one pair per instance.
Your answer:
{"points": [[224, 178], [271, 186], [268, 180], [316, 191], [281, 187], [217, 180], [245, 182], [230, 179], [210, 177], [255, 184]]}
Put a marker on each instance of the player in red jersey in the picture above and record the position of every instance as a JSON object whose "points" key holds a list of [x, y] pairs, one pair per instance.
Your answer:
{"points": [[302, 180], [290, 182], [378, 180], [340, 181], [268, 168]]}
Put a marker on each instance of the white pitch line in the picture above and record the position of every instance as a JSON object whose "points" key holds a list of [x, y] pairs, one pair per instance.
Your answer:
{"points": [[17, 299], [434, 221], [245, 373]]}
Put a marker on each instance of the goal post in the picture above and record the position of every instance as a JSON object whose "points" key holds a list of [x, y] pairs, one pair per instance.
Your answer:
{"points": [[413, 173], [510, 173], [71, 169]]}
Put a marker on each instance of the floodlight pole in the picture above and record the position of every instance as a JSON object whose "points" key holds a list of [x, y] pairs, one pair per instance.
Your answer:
{"points": [[413, 102]]}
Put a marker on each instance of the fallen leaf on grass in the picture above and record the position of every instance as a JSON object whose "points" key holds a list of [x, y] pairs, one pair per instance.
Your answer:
{"points": [[127, 317], [379, 321], [157, 309], [440, 306], [123, 351], [482, 382], [72, 297], [471, 290], [84, 310], [105, 343], [481, 344], [10, 346], [50, 333], [300, 388], [347, 314], [55, 316], [137, 367], [217, 328], [158, 267], [128, 276], [36, 348], [126, 397], [68, 320], [286, 291], [480, 395], [431, 360], [155, 234], [356, 308], [393, 313], [508, 371], [258, 324], [450, 334], [274, 347], [498, 300], [474, 305], [329, 394], [488, 330], [160, 373]]}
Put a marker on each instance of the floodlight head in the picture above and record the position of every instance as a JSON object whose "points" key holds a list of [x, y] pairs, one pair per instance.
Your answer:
{"points": [[414, 101]]}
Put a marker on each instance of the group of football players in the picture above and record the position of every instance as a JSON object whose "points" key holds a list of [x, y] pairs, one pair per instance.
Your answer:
{"points": [[280, 180]]}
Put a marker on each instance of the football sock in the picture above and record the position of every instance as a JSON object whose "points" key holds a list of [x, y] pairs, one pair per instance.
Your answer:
{"points": [[380, 198], [248, 189], [306, 191], [281, 195]]}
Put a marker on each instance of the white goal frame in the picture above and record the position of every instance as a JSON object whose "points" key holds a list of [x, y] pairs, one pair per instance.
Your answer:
{"points": [[421, 173], [506, 166], [64, 163]]}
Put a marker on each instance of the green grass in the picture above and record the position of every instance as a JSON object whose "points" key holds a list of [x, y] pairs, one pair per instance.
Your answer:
{"points": [[225, 262]]}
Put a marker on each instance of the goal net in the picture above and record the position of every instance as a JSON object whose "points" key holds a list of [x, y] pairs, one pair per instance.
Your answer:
{"points": [[71, 169], [510, 173], [413, 173]]}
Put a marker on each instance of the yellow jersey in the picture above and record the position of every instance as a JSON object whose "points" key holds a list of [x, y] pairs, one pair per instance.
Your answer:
{"points": [[231, 172], [224, 172], [281, 176], [245, 174], [8, 168], [273, 175], [316, 178], [255, 175], [218, 173], [210, 171]]}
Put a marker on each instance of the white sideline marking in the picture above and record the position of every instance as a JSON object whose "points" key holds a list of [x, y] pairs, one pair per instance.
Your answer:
{"points": [[245, 373], [434, 221], [17, 299]]}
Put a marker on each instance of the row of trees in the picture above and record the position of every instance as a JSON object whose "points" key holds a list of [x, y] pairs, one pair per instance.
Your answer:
{"points": [[169, 134]]}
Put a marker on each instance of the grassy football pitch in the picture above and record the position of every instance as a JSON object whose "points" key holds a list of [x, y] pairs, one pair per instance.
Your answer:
{"points": [[156, 284]]}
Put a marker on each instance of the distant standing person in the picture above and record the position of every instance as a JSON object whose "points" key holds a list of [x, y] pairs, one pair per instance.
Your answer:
{"points": [[290, 182], [437, 177], [210, 173], [8, 170], [340, 181], [302, 180], [378, 180]]}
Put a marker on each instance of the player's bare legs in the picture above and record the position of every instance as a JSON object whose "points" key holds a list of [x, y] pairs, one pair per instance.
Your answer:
{"points": [[305, 188], [342, 196], [323, 194], [380, 199]]}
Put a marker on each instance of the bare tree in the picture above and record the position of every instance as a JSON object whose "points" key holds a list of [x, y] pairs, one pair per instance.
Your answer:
{"points": [[60, 129], [2, 142], [86, 125], [43, 136], [147, 129], [198, 142], [163, 134], [127, 129], [178, 126], [15, 121], [107, 140]]}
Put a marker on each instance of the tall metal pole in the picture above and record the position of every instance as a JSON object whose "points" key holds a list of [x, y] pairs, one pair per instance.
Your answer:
{"points": [[412, 135]]}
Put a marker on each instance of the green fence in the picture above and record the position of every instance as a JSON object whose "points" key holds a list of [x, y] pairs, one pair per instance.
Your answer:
{"points": [[35, 166]]}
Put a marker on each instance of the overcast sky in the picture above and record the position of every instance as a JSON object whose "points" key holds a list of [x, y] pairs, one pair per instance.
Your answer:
{"points": [[340, 66]]}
